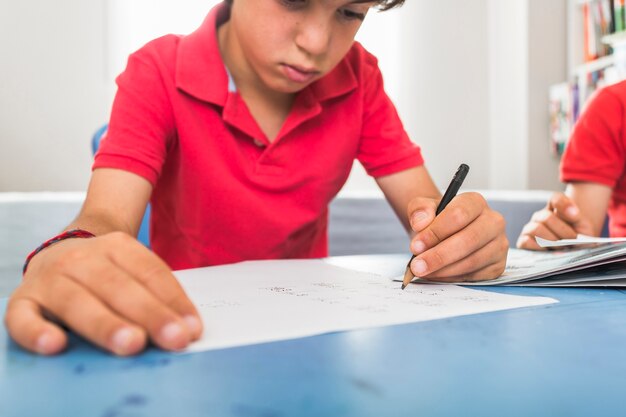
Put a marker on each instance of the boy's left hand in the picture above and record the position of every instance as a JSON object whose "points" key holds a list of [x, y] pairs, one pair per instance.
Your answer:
{"points": [[465, 242]]}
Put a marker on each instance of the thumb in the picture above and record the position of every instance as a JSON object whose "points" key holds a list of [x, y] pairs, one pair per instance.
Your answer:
{"points": [[421, 213]]}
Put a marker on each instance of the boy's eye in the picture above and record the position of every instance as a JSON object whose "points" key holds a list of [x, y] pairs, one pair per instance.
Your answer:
{"points": [[345, 13], [351, 14]]}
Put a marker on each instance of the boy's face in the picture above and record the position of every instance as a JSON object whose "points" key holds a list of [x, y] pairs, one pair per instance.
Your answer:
{"points": [[288, 44]]}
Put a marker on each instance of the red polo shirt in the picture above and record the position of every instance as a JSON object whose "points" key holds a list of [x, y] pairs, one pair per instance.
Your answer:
{"points": [[222, 192], [597, 151]]}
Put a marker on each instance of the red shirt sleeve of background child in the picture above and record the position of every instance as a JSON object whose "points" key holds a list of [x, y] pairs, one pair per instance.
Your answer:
{"points": [[595, 152]]}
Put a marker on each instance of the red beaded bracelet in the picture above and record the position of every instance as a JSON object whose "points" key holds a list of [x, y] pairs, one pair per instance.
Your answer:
{"points": [[75, 233]]}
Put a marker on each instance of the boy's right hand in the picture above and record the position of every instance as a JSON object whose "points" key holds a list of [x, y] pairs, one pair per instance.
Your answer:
{"points": [[110, 289], [560, 219]]}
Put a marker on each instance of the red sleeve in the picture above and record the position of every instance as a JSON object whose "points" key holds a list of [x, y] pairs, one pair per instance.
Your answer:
{"points": [[385, 147], [142, 122], [595, 152]]}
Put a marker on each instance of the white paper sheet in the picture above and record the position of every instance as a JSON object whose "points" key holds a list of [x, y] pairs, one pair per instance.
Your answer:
{"points": [[264, 301], [580, 240]]}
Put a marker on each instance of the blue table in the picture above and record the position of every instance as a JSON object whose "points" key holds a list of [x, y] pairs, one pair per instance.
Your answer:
{"points": [[564, 359]]}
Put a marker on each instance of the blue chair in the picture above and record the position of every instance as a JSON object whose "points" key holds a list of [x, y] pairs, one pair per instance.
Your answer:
{"points": [[144, 230]]}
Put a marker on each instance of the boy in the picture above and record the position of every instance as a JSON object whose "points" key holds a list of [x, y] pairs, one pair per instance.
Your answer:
{"points": [[593, 168], [240, 134]]}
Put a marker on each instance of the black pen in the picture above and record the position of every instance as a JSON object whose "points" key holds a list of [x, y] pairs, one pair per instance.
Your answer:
{"points": [[450, 193]]}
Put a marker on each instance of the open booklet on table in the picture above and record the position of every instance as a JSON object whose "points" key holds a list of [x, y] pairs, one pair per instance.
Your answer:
{"points": [[581, 262]]}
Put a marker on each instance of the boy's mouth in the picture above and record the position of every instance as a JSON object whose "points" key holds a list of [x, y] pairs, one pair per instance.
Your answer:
{"points": [[299, 74]]}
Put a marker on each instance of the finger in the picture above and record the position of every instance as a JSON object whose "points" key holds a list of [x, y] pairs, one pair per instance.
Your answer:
{"points": [[81, 311], [560, 228], [489, 256], [25, 324], [540, 230], [461, 211], [421, 212], [565, 208], [131, 300], [528, 242], [140, 263], [487, 273], [469, 240]]}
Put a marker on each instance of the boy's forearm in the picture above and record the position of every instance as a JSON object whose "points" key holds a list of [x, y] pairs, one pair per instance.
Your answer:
{"points": [[401, 188], [116, 201], [592, 199], [100, 223]]}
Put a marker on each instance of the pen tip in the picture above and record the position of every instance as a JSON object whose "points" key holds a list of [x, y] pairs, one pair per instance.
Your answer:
{"points": [[403, 286]]}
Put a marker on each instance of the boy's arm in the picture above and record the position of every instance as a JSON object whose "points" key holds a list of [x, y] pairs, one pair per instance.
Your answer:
{"points": [[466, 241], [110, 289], [581, 210]]}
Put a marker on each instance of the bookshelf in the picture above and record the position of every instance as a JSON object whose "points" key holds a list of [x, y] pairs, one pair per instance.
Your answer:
{"points": [[596, 49]]}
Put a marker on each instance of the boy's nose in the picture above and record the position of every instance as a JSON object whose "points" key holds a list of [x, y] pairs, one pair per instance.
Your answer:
{"points": [[313, 36]]}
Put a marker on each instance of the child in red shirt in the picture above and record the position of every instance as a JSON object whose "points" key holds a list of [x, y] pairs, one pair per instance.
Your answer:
{"points": [[593, 167], [288, 176], [240, 134]]}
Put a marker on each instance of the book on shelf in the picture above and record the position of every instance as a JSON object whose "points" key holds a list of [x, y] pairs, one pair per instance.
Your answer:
{"points": [[619, 21], [561, 116], [602, 25], [600, 18]]}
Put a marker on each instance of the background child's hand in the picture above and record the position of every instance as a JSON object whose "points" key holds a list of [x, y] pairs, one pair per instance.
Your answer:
{"points": [[110, 289], [466, 241], [560, 219]]}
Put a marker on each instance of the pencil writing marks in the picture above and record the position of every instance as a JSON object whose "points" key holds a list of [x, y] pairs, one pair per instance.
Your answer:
{"points": [[265, 301], [219, 304]]}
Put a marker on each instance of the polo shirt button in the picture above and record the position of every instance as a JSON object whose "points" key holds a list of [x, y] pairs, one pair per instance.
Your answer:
{"points": [[259, 143]]}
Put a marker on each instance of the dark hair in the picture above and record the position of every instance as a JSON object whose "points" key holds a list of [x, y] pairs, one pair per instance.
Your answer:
{"points": [[381, 4], [387, 4]]}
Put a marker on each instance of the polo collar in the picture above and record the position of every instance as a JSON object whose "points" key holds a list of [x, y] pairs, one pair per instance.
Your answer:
{"points": [[200, 70]]}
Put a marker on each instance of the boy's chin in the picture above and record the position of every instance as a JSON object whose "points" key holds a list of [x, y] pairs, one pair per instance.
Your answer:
{"points": [[290, 87]]}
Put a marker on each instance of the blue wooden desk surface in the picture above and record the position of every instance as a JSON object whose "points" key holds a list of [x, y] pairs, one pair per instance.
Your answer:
{"points": [[565, 359]]}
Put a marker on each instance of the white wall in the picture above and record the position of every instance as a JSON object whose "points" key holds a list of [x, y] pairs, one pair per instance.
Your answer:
{"points": [[547, 55], [508, 93], [438, 58], [527, 54], [132, 23], [446, 108], [433, 55], [53, 91]]}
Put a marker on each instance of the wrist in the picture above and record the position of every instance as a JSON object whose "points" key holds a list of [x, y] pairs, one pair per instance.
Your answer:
{"points": [[70, 234]]}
